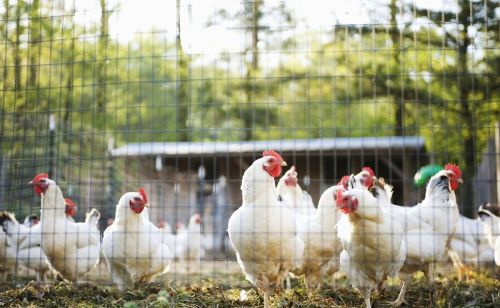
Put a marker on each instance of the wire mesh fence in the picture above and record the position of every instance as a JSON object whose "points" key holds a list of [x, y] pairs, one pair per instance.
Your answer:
{"points": [[181, 98]]}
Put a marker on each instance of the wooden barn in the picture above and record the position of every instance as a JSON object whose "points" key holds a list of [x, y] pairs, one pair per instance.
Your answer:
{"points": [[187, 177]]}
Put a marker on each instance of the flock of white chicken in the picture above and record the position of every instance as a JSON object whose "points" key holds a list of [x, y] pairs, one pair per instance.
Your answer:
{"points": [[135, 249], [277, 233], [355, 229]]}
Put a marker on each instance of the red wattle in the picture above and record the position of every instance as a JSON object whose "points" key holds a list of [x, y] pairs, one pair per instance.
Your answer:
{"points": [[291, 182], [136, 207]]}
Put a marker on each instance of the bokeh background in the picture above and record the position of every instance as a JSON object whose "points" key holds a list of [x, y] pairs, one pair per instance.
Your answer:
{"points": [[180, 96]]}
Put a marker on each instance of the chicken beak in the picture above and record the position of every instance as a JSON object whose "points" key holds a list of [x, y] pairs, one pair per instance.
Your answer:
{"points": [[460, 181], [146, 205], [30, 183], [284, 164]]}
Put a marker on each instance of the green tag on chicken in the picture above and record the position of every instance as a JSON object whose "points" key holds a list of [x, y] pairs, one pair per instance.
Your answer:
{"points": [[425, 173]]}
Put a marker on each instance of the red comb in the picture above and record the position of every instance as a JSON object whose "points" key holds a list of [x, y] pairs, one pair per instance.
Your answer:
{"points": [[197, 218], [70, 209], [69, 202], [343, 181], [272, 153], [369, 170], [39, 177], [143, 195], [455, 169]]}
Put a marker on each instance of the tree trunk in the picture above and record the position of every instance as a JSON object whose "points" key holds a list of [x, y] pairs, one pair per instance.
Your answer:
{"points": [[101, 59], [399, 114], [35, 29], [5, 38], [469, 141], [468, 196], [256, 14], [182, 87], [17, 51], [396, 94], [69, 88], [252, 69]]}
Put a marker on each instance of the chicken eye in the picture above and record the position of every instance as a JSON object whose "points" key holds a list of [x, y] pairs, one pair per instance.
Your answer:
{"points": [[444, 177]]}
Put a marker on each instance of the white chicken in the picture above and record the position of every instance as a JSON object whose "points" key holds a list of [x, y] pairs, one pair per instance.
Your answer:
{"points": [[132, 244], [23, 247], [490, 216], [5, 262], [165, 226], [70, 209], [333, 265], [301, 204], [180, 227], [173, 241], [373, 243], [188, 243], [31, 220], [262, 231], [428, 226], [72, 248], [469, 246], [364, 178], [321, 244], [292, 194]]}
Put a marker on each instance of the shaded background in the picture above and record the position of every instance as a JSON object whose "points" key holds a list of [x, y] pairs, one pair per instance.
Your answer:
{"points": [[83, 81]]}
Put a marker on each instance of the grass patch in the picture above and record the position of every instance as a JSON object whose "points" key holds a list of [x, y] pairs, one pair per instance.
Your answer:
{"points": [[233, 291]]}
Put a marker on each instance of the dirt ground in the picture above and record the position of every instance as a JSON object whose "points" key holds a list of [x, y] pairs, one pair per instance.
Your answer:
{"points": [[220, 284]]}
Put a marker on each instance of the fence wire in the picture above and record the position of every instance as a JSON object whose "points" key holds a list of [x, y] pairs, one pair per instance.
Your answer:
{"points": [[181, 98]]}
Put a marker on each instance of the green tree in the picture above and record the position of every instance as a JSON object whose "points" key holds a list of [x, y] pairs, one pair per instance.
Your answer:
{"points": [[473, 81], [250, 105], [182, 83], [442, 76]]}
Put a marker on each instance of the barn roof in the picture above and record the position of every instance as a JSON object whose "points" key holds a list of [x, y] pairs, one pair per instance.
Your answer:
{"points": [[365, 144]]}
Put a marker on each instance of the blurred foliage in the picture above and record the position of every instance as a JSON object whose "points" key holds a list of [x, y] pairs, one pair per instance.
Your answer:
{"points": [[348, 80]]}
